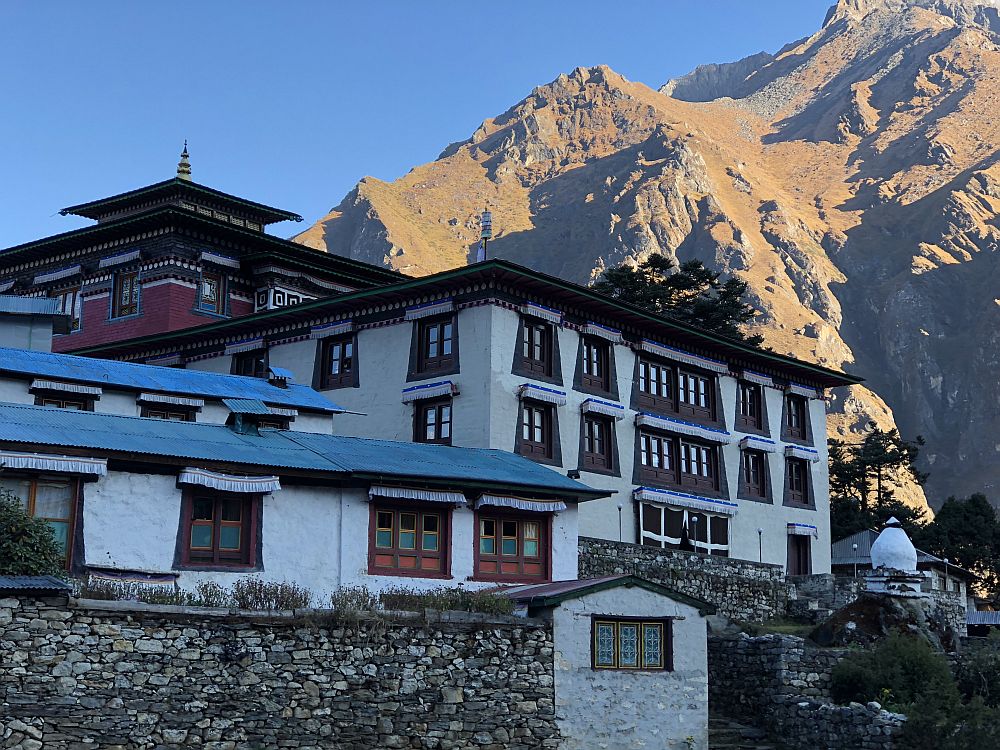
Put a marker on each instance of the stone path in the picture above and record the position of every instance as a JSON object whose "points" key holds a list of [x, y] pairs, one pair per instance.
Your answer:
{"points": [[727, 734]]}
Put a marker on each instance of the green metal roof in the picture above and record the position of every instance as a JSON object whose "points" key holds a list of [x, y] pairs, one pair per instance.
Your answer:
{"points": [[44, 429], [554, 593]]}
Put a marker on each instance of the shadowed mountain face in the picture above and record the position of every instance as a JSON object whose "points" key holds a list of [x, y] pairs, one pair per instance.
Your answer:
{"points": [[852, 179]]}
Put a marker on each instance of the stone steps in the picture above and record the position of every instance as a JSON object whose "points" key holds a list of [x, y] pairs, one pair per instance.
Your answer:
{"points": [[728, 734]]}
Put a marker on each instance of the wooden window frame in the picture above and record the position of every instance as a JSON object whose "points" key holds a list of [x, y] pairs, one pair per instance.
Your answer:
{"points": [[29, 504], [498, 516], [220, 306], [749, 407], [259, 358], [273, 422], [165, 412], [527, 345], [441, 363], [666, 626], [438, 406], [803, 497], [345, 378], [595, 353], [749, 490], [648, 401], [598, 428], [249, 523], [665, 448], [58, 400], [807, 558], [709, 545], [71, 304], [123, 279], [543, 450], [680, 450], [796, 410], [696, 411], [416, 553]]}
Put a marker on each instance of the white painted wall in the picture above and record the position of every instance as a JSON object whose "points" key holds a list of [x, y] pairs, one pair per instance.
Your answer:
{"points": [[32, 332], [619, 709]]}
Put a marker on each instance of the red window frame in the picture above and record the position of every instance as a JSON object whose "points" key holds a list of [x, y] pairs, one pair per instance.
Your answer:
{"points": [[657, 386], [436, 343], [30, 504], [749, 406], [795, 417], [216, 555], [753, 466], [395, 559], [434, 416], [125, 294], [596, 365], [339, 351], [597, 450], [536, 420], [536, 347], [519, 567], [797, 481]]}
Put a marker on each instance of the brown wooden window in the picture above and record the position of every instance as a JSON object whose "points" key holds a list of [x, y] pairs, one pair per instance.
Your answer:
{"points": [[173, 414], [795, 417], [699, 466], [408, 541], [57, 401], [251, 364], [596, 367], [657, 458], [125, 294], [598, 446], [753, 469], [338, 362], [53, 499], [686, 529], [536, 347], [797, 481], [749, 407], [433, 422], [274, 422], [799, 555], [71, 305], [695, 395], [436, 344], [631, 643], [212, 293], [512, 548], [536, 430], [656, 387], [219, 528]]}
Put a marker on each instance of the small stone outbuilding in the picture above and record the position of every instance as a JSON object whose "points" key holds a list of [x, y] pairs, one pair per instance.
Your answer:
{"points": [[631, 662]]}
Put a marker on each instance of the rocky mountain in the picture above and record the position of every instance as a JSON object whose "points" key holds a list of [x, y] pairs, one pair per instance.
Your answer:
{"points": [[851, 178]]}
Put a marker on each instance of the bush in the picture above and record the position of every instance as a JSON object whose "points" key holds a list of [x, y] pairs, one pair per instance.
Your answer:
{"points": [[446, 599], [253, 593], [99, 588], [27, 545], [352, 600]]}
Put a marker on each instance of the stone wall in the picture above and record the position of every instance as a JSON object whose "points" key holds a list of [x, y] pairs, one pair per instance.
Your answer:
{"points": [[739, 589], [949, 608], [782, 684], [115, 675]]}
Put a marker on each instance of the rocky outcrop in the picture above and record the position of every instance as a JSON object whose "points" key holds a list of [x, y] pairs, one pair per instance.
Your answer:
{"points": [[850, 178]]}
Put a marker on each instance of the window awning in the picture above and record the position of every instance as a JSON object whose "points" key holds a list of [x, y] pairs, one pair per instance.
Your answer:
{"points": [[802, 529], [604, 332], [540, 311], [684, 427], [800, 451], [429, 390], [55, 385], [165, 360], [280, 411], [679, 355], [331, 329], [754, 442], [6, 285], [220, 260], [413, 493], [229, 482], [245, 406], [757, 377], [118, 258], [538, 393], [685, 500], [521, 503], [246, 345], [597, 406], [59, 464], [61, 273], [804, 390], [160, 398], [428, 309]]}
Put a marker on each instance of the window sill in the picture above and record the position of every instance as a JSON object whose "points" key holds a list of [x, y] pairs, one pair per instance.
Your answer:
{"points": [[210, 314], [596, 470], [541, 459], [797, 441], [509, 579], [338, 386], [218, 567], [435, 373], [408, 573], [795, 504], [522, 372], [121, 318], [661, 484], [599, 392], [750, 430], [754, 499]]}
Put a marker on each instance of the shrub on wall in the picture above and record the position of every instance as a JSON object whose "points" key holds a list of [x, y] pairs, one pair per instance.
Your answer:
{"points": [[444, 599], [27, 545], [254, 593]]}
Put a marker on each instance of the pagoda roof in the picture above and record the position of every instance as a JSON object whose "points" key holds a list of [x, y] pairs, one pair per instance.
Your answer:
{"points": [[258, 245], [177, 188]]}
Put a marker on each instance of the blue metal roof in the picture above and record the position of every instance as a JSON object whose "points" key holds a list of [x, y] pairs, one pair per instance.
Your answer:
{"points": [[33, 583], [148, 378], [10, 303], [245, 406], [43, 429]]}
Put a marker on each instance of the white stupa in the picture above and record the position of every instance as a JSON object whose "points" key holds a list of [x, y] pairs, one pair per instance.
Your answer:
{"points": [[894, 563]]}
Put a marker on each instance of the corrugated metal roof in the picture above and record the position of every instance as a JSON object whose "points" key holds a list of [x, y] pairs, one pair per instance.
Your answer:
{"points": [[160, 379], [33, 583], [29, 305], [544, 595], [39, 428], [245, 406], [975, 617]]}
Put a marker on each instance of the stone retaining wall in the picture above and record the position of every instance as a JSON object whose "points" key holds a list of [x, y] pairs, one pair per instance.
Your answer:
{"points": [[783, 684], [739, 589], [115, 675]]}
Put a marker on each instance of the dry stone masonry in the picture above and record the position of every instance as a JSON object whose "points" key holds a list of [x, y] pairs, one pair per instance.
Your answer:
{"points": [[115, 675]]}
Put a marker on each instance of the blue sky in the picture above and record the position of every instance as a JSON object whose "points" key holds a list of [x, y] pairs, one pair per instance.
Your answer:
{"points": [[291, 103]]}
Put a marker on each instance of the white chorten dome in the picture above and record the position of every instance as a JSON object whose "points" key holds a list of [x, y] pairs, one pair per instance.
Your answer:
{"points": [[893, 549]]}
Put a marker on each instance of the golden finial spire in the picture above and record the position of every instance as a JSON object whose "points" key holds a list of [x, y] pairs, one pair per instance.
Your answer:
{"points": [[184, 165]]}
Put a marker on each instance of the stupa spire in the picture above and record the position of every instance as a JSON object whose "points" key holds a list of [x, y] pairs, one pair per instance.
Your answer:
{"points": [[184, 165]]}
